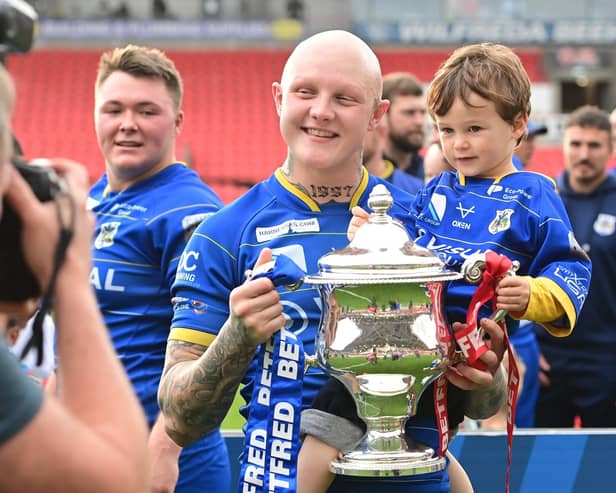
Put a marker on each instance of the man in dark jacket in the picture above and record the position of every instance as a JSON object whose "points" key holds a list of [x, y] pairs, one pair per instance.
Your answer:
{"points": [[578, 374]]}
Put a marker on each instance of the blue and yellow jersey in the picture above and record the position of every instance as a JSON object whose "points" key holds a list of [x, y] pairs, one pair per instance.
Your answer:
{"points": [[277, 215], [519, 215], [139, 237]]}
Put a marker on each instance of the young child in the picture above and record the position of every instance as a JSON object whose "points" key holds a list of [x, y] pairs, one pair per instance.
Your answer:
{"points": [[480, 102]]}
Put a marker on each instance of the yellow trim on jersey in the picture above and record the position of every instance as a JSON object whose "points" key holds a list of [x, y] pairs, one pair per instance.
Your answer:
{"points": [[191, 335], [389, 169], [462, 178], [549, 302], [361, 188], [314, 207]]}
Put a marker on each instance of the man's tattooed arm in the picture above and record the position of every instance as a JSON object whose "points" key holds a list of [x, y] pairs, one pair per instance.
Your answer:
{"points": [[198, 384], [485, 402]]}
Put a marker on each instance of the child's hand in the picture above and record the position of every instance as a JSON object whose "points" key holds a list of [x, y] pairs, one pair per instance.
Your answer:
{"points": [[360, 217], [513, 294]]}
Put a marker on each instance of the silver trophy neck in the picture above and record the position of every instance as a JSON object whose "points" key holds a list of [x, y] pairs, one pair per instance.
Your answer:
{"points": [[381, 252]]}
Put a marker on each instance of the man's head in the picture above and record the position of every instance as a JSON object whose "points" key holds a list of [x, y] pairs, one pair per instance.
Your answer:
{"points": [[587, 146], [613, 123], [137, 114], [491, 71], [406, 116], [329, 95], [435, 162], [141, 61], [526, 148]]}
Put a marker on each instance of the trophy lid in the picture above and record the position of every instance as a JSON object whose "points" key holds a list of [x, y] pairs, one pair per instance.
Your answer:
{"points": [[381, 252]]}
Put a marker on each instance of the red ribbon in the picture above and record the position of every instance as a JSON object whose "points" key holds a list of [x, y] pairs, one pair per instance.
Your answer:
{"points": [[469, 340], [473, 346]]}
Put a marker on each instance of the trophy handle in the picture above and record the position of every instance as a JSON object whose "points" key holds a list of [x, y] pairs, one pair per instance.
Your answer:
{"points": [[472, 270]]}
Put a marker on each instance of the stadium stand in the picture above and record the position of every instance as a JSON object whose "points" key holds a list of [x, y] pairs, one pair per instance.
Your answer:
{"points": [[231, 129]]}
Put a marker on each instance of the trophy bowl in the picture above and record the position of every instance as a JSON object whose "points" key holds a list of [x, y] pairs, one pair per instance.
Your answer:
{"points": [[383, 334]]}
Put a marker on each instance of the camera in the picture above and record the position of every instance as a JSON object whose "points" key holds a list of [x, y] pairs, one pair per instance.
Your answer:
{"points": [[18, 26], [17, 283]]}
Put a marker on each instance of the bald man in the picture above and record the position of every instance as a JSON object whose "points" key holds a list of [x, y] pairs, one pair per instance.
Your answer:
{"points": [[328, 98]]}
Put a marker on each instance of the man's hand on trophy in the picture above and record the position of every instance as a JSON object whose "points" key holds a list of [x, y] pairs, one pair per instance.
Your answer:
{"points": [[469, 378], [513, 295], [256, 311]]}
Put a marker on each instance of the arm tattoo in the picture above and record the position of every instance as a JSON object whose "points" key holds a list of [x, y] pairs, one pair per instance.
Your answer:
{"points": [[483, 403], [197, 387]]}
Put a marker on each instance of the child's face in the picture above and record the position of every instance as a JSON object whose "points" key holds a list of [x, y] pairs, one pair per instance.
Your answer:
{"points": [[476, 140]]}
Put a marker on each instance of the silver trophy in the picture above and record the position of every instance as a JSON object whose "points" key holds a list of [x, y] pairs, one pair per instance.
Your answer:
{"points": [[384, 335]]}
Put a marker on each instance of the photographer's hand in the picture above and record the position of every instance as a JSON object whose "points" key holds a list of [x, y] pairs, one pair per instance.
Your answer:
{"points": [[40, 226]]}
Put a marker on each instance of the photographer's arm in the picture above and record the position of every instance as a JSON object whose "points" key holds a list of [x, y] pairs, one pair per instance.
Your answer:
{"points": [[93, 437]]}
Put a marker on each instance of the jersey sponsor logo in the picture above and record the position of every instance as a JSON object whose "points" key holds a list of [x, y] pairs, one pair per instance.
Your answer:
{"points": [[575, 284], [450, 254], [194, 219], [605, 224], [509, 193], [127, 208], [107, 234], [187, 265], [465, 211], [461, 225], [502, 221], [102, 280], [181, 303], [91, 203], [495, 189], [290, 226], [190, 222], [436, 209]]}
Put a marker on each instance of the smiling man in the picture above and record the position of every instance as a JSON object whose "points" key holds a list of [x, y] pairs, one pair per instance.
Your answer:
{"points": [[146, 206]]}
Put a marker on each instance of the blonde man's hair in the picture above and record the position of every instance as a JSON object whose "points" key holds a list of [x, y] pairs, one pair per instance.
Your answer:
{"points": [[492, 71], [142, 61]]}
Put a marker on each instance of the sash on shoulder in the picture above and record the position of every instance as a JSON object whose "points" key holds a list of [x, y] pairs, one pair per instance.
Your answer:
{"points": [[272, 441]]}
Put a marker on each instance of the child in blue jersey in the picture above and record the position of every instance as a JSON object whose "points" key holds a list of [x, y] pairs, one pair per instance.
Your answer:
{"points": [[480, 102], [147, 205], [327, 99]]}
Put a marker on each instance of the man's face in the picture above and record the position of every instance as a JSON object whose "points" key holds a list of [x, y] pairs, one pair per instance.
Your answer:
{"points": [[326, 105], [136, 125], [525, 150], [406, 120], [586, 151]]}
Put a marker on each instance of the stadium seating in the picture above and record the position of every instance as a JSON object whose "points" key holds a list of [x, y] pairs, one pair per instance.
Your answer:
{"points": [[231, 131]]}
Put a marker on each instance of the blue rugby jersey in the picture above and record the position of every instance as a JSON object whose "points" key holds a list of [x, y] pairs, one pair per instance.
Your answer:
{"points": [[519, 215], [277, 215], [139, 237]]}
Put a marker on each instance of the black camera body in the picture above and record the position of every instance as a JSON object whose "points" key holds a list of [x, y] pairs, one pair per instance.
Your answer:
{"points": [[18, 26], [17, 283]]}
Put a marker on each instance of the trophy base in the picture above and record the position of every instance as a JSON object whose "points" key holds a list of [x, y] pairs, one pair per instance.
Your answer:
{"points": [[387, 464]]}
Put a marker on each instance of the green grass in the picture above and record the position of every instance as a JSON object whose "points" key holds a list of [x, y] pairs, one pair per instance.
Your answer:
{"points": [[234, 421]]}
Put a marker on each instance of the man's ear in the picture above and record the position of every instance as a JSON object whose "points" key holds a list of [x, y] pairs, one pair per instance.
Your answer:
{"points": [[378, 113], [277, 94], [179, 122]]}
